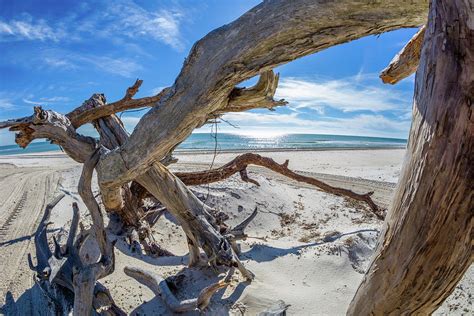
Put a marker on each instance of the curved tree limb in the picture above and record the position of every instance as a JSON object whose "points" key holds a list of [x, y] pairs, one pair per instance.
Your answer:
{"points": [[43, 253], [238, 51], [258, 96], [85, 191], [406, 61], [240, 164], [55, 127], [86, 114], [85, 276], [160, 288]]}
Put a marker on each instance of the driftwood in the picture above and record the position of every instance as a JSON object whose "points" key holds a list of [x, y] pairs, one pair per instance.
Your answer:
{"points": [[240, 164], [406, 61], [235, 56], [238, 51], [85, 275], [434, 190], [426, 243], [57, 272], [160, 288]]}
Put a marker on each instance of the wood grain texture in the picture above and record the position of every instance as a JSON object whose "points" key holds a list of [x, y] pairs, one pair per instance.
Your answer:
{"points": [[269, 35], [426, 244], [406, 61]]}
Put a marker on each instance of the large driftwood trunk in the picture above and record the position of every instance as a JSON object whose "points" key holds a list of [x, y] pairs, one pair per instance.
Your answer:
{"points": [[269, 35], [426, 245]]}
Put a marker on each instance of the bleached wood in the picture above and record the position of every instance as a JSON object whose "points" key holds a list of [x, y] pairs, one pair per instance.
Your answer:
{"points": [[160, 288], [241, 162], [55, 127], [426, 243], [406, 61], [258, 96], [271, 34]]}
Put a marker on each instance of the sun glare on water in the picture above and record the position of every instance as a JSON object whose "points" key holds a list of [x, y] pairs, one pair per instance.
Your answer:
{"points": [[262, 134]]}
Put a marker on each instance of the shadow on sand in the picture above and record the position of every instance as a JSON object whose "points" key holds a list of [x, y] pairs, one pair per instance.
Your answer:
{"points": [[264, 253]]}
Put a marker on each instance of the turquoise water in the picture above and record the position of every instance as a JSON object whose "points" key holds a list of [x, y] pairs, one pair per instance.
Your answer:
{"points": [[238, 142]]}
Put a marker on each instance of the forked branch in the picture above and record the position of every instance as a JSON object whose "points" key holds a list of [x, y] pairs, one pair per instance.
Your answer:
{"points": [[240, 164], [258, 96]]}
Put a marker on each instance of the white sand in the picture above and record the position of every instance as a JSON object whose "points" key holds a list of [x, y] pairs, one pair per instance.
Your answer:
{"points": [[287, 251], [377, 164]]}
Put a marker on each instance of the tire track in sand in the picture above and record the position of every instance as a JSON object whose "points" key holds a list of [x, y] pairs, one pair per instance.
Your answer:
{"points": [[24, 193]]}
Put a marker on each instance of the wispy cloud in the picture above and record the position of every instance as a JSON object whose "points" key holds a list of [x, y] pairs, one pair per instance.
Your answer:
{"points": [[46, 100], [6, 104], [130, 19], [27, 29], [60, 63], [347, 94], [120, 66], [65, 60], [362, 124], [118, 20]]}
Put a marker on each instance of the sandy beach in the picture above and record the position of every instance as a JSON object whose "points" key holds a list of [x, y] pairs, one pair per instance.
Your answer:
{"points": [[307, 248]]}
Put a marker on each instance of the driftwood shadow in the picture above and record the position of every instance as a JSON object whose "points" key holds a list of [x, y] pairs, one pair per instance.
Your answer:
{"points": [[187, 284], [30, 302], [265, 253]]}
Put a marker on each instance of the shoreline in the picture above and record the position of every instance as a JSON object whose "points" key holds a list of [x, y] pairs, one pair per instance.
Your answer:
{"points": [[57, 153]]}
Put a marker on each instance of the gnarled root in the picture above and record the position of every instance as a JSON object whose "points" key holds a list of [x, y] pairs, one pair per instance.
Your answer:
{"points": [[61, 272]]}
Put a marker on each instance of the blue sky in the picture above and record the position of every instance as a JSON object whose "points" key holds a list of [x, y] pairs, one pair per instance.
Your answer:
{"points": [[57, 53]]}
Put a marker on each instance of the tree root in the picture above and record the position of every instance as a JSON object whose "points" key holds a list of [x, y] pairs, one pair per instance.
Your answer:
{"points": [[240, 164], [60, 272]]}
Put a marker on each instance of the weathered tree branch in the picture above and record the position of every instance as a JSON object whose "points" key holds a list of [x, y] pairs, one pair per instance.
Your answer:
{"points": [[43, 253], [240, 164], [86, 114], [193, 215], [85, 191], [86, 275], [131, 91], [406, 61], [258, 96], [59, 268], [160, 288], [55, 127], [238, 51]]}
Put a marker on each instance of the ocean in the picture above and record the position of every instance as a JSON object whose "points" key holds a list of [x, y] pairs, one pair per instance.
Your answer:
{"points": [[225, 141]]}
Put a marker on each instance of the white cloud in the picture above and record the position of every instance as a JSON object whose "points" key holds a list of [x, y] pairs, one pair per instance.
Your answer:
{"points": [[60, 63], [6, 104], [56, 99], [46, 100], [363, 125], [128, 18], [29, 30], [118, 20], [120, 66], [66, 60], [348, 95]]}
